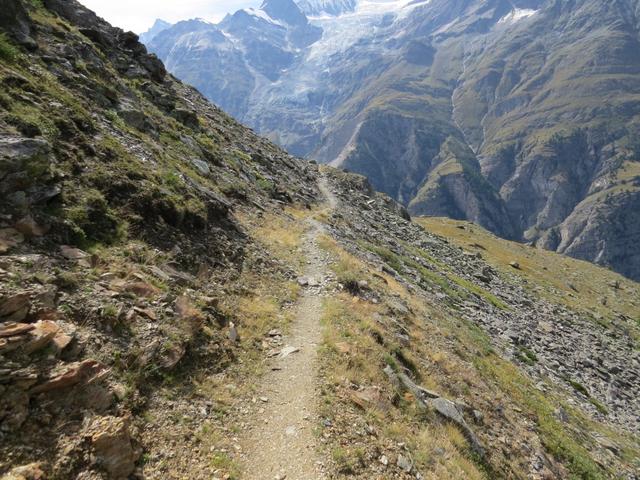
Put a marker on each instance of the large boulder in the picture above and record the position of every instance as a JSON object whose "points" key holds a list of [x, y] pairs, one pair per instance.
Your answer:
{"points": [[154, 66], [26, 172], [75, 13], [108, 38], [113, 447], [32, 471], [14, 20]]}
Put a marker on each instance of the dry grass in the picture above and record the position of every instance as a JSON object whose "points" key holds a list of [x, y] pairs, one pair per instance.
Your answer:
{"points": [[439, 448], [359, 342], [349, 325], [256, 301], [262, 302], [456, 359], [280, 234], [579, 285], [259, 311]]}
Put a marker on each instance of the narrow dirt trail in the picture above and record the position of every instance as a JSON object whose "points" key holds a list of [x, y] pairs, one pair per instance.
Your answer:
{"points": [[281, 443]]}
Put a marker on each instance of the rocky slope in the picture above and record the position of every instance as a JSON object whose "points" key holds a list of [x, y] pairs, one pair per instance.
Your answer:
{"points": [[518, 115], [487, 300], [118, 236], [151, 253]]}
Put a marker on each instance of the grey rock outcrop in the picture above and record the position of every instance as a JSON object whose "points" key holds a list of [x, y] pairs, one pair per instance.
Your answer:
{"points": [[14, 20], [26, 174]]}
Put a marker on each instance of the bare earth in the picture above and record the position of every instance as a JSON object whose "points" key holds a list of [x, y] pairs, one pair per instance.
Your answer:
{"points": [[281, 442]]}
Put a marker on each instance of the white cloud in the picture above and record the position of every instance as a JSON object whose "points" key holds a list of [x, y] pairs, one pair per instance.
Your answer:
{"points": [[139, 15]]}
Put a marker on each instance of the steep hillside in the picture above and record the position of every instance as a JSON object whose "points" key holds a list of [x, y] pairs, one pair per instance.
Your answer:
{"points": [[179, 298], [126, 258], [517, 115], [522, 340]]}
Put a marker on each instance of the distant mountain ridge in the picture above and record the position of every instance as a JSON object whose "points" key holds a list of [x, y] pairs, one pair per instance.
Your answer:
{"points": [[518, 115], [158, 27]]}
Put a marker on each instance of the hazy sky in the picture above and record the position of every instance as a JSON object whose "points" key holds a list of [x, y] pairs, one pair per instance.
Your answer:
{"points": [[139, 15]]}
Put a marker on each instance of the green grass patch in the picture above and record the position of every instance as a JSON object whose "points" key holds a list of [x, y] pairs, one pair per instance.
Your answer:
{"points": [[343, 459], [266, 185], [385, 254], [93, 220], [473, 288], [444, 280], [32, 122], [578, 387], [526, 356], [8, 51], [466, 284], [222, 461], [599, 406]]}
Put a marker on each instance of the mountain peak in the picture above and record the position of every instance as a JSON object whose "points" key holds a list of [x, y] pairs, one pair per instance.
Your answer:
{"points": [[158, 26], [159, 23], [284, 10]]}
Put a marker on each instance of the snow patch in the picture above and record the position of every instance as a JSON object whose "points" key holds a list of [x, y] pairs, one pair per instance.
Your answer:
{"points": [[333, 8], [254, 12], [447, 27], [517, 14], [347, 29]]}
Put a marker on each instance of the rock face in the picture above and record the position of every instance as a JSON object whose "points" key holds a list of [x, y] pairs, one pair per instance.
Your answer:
{"points": [[479, 110], [15, 21], [251, 47], [26, 175]]}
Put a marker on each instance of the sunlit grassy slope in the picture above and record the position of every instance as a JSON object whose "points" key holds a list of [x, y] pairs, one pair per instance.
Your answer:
{"points": [[578, 284]]}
